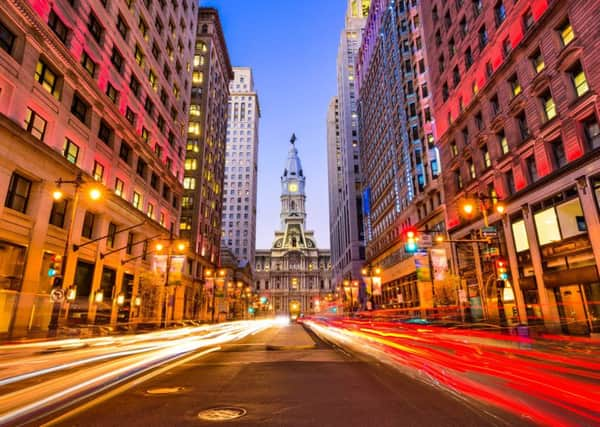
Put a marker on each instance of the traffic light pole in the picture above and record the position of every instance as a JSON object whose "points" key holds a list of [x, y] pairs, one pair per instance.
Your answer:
{"points": [[59, 281]]}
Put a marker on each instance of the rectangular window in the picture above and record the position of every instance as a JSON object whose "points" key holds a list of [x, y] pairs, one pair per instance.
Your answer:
{"points": [[111, 235], [71, 151], [499, 13], [520, 236], [592, 132], [495, 104], [79, 108], [458, 179], [134, 85], [154, 181], [150, 210], [58, 27], [125, 152], [35, 124], [510, 182], [153, 80], [7, 39], [129, 248], [117, 59], [98, 171], [130, 115], [472, 170], [522, 124], [189, 183], [143, 27], [46, 77], [58, 213], [515, 86], [485, 153], [141, 168], [105, 133], [96, 30], [87, 230], [137, 200], [548, 105], [538, 61], [112, 93], [531, 168], [578, 79], [17, 196], [88, 64], [122, 27], [139, 55], [566, 33], [527, 20], [558, 153], [119, 187]]}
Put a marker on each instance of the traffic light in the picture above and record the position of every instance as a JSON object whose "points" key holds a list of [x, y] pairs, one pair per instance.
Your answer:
{"points": [[410, 240], [502, 269], [55, 265]]}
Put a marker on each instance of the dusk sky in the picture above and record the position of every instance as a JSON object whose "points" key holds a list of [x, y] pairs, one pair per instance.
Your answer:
{"points": [[291, 47]]}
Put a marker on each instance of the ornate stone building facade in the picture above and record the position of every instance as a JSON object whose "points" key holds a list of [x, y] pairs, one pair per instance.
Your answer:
{"points": [[294, 275]]}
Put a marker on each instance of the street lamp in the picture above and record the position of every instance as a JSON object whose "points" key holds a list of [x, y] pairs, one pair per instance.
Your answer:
{"points": [[94, 193]]}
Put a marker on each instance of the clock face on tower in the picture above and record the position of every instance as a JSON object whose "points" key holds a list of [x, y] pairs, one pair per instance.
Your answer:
{"points": [[292, 187]]}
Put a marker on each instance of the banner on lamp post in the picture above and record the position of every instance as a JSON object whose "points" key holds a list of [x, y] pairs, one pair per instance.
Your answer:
{"points": [[439, 262], [376, 285], [422, 267]]}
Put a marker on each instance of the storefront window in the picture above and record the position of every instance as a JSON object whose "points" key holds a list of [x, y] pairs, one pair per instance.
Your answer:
{"points": [[560, 222], [520, 236]]}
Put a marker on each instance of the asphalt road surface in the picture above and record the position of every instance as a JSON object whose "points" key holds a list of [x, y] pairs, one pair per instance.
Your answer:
{"points": [[320, 386]]}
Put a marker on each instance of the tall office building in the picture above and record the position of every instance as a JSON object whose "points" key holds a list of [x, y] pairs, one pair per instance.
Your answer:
{"points": [[334, 170], [346, 222], [399, 160], [517, 111], [239, 190], [94, 94], [205, 154], [294, 275]]}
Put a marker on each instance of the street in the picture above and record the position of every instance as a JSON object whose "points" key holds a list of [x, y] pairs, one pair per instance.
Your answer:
{"points": [[280, 377]]}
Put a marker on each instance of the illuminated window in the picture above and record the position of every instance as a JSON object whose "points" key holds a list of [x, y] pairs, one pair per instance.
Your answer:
{"points": [[485, 153], [137, 200], [70, 151], [197, 77], [504, 148], [143, 27], [187, 202], [453, 149], [98, 171], [185, 223], [194, 110], [548, 104], [119, 187], [35, 124], [189, 183], [194, 128], [566, 33], [458, 179], [153, 80], [520, 236], [150, 210], [538, 61], [471, 167], [145, 135], [192, 145], [560, 222], [139, 55], [88, 64], [190, 164], [579, 80], [46, 77], [112, 93]]}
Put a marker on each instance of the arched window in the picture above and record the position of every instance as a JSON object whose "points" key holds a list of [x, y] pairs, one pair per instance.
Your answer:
{"points": [[204, 28], [293, 205]]}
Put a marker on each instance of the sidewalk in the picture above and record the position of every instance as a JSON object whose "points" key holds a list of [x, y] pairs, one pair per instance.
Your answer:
{"points": [[291, 337]]}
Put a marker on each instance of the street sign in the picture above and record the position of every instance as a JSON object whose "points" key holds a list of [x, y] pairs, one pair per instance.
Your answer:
{"points": [[425, 241], [57, 294], [489, 231], [491, 251]]}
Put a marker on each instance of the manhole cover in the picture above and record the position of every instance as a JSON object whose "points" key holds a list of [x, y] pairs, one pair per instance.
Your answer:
{"points": [[223, 413], [165, 390]]}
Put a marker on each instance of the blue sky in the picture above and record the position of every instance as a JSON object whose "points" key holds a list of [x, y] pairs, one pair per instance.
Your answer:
{"points": [[292, 47]]}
